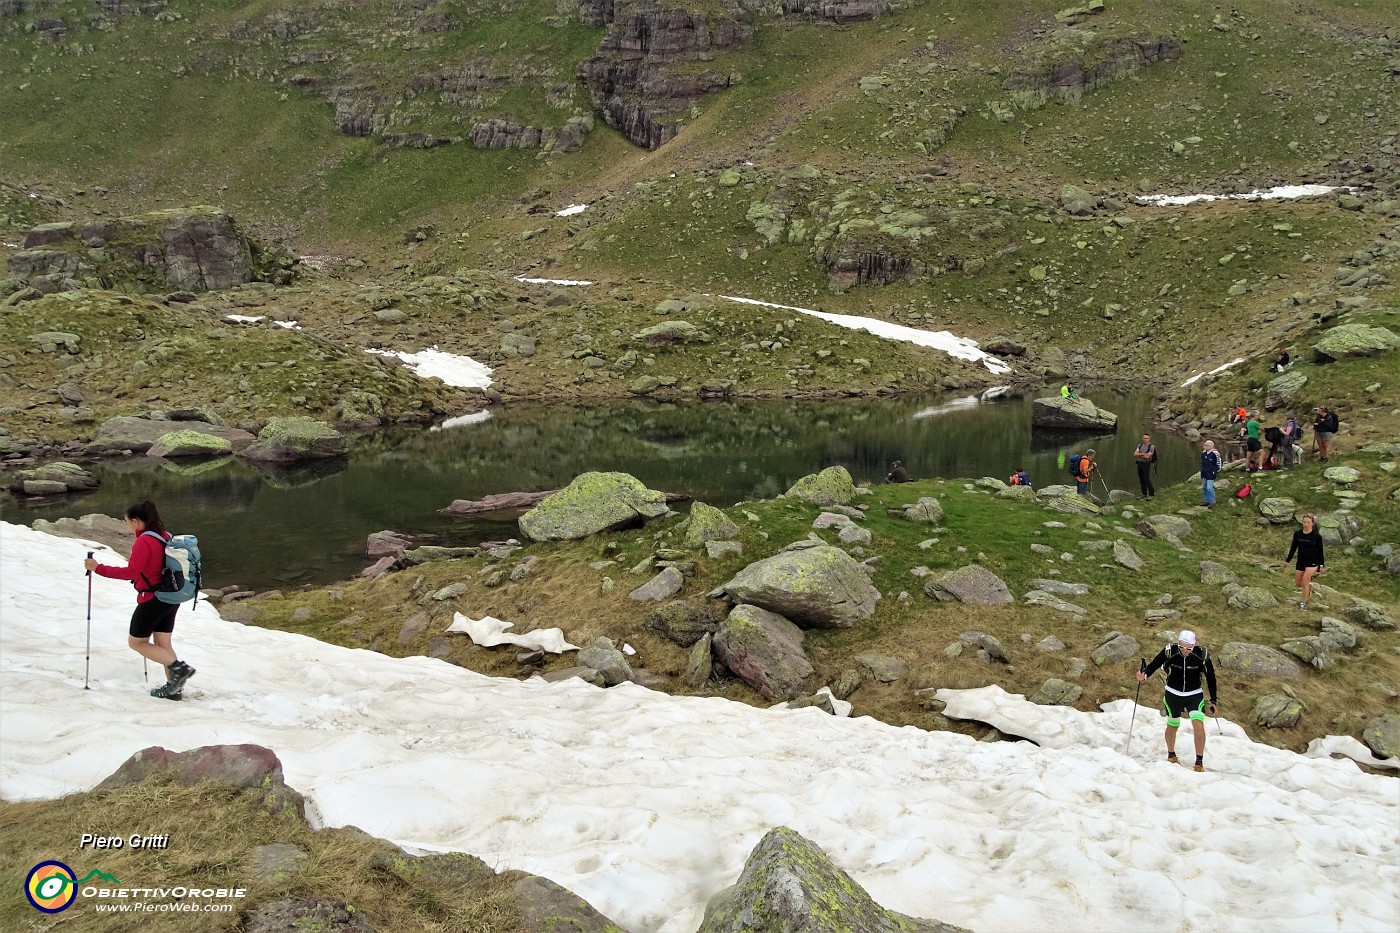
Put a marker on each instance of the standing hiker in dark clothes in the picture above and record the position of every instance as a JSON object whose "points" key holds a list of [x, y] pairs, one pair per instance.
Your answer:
{"points": [[898, 474], [1185, 663], [1145, 455], [1307, 544]]}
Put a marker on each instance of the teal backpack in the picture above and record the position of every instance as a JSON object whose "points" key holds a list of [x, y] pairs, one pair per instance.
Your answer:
{"points": [[180, 576]]}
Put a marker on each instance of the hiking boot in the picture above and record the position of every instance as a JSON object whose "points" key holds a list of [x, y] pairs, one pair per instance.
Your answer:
{"points": [[1173, 760], [179, 673], [1303, 607], [167, 692], [1198, 766]]}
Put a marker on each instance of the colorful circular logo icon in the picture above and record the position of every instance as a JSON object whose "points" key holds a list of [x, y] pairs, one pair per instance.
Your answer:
{"points": [[51, 887]]}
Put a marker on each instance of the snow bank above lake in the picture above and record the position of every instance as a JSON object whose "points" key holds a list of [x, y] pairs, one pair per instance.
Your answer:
{"points": [[461, 371]]}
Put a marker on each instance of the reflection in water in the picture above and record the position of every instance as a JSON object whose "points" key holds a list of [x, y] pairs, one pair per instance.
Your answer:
{"points": [[273, 527]]}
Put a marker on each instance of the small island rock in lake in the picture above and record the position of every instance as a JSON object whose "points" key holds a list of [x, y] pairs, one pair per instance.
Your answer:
{"points": [[1083, 415]]}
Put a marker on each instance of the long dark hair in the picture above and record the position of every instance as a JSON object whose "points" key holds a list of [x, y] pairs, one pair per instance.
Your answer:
{"points": [[146, 512]]}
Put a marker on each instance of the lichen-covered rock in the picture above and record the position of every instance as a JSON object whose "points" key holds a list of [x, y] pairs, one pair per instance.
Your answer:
{"points": [[1115, 646], [683, 622], [1338, 527], [973, 584], [1338, 635], [1257, 661], [1071, 504], [593, 502], [1372, 615], [190, 444], [1126, 556], [52, 478], [547, 907], [789, 885], [139, 434], [816, 587], [1382, 735], [708, 523], [1056, 412], [987, 642], [1216, 574], [1284, 388], [1159, 526], [285, 440], [927, 511], [764, 650], [1056, 692], [608, 660], [885, 668], [664, 585], [1252, 597], [699, 664], [1277, 711], [1356, 340], [1050, 601], [671, 333], [1342, 474], [832, 486], [1310, 650], [1278, 510]]}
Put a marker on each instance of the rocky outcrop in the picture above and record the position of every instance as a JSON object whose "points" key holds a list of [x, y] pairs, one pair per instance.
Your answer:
{"points": [[790, 884], [708, 523], [138, 435], [973, 584], [1070, 61], [102, 529], [764, 650], [836, 11], [286, 440], [255, 770], [818, 587], [1257, 661], [1355, 340], [650, 66], [500, 133], [593, 502], [189, 249], [1283, 389], [187, 443], [52, 479], [1056, 412], [832, 486]]}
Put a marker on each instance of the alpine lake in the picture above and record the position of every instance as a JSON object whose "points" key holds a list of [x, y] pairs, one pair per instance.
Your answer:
{"points": [[266, 527]]}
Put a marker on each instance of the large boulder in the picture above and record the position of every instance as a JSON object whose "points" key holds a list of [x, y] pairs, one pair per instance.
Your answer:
{"points": [[816, 587], [927, 511], [1217, 574], [973, 584], [252, 768], [287, 440], [186, 443], [593, 502], [789, 885], [1338, 527], [1382, 735], [1277, 510], [52, 478], [764, 650], [1344, 475], [1277, 711], [708, 523], [1125, 555], [1283, 389], [1372, 615], [608, 660], [671, 333], [1114, 646], [139, 434], [1056, 692], [1355, 340], [664, 585], [1056, 412], [1252, 597], [832, 486], [1258, 661]]}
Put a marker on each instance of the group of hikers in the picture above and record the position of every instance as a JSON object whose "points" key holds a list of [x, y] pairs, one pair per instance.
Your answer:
{"points": [[1285, 440]]}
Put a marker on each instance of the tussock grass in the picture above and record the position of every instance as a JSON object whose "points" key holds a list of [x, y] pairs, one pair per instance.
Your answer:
{"points": [[213, 831]]}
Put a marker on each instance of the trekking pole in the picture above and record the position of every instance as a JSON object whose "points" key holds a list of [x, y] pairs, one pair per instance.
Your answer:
{"points": [[87, 667], [1142, 667]]}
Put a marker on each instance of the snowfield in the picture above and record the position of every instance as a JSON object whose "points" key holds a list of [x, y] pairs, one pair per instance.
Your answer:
{"points": [[647, 804], [453, 369]]}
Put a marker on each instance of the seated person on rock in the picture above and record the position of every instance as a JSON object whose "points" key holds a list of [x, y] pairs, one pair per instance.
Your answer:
{"points": [[898, 474]]}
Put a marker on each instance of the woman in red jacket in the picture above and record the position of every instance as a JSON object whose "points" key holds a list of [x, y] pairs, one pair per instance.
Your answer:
{"points": [[153, 622]]}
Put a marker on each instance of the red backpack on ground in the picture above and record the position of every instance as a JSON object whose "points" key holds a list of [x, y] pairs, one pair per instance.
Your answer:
{"points": [[1243, 492]]}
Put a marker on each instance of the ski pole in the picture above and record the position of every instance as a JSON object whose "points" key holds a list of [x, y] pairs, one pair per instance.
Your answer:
{"points": [[1142, 668], [87, 667]]}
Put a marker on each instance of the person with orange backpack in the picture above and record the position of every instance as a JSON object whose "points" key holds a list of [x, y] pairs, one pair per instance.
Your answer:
{"points": [[1019, 478], [1082, 468]]}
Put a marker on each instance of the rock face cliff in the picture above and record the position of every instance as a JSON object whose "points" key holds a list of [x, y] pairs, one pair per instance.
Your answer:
{"points": [[634, 80], [193, 249]]}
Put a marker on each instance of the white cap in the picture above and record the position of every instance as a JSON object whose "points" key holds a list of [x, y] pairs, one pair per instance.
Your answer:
{"points": [[1187, 637]]}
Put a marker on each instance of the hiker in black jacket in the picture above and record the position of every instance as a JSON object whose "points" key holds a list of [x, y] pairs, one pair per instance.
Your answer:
{"points": [[1185, 662], [1307, 544], [1325, 425]]}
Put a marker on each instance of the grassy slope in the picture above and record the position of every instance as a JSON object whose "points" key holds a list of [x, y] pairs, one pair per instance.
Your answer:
{"points": [[995, 532]]}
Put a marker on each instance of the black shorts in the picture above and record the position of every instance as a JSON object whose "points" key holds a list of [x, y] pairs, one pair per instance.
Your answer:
{"points": [[1177, 704], [153, 616], [1253, 444]]}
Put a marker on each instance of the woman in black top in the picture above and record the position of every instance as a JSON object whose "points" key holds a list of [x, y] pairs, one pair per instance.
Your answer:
{"points": [[1307, 544]]}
